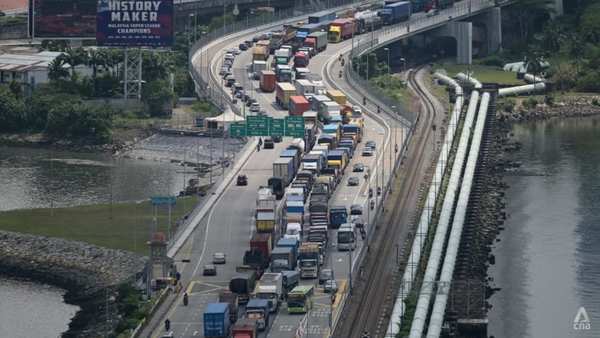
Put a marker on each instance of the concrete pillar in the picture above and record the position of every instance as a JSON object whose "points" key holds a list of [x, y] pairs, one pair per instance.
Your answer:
{"points": [[494, 30], [558, 8], [463, 32]]}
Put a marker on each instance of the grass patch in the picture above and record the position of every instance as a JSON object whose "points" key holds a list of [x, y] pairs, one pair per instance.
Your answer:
{"points": [[204, 109], [127, 229], [393, 87], [489, 74]]}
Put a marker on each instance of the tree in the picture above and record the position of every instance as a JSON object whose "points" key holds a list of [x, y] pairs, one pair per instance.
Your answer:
{"points": [[564, 76], [57, 68], [11, 111], [96, 59], [590, 23], [528, 12], [156, 95]]}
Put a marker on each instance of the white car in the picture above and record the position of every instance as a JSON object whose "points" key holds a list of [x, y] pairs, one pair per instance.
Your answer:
{"points": [[219, 258], [255, 107]]}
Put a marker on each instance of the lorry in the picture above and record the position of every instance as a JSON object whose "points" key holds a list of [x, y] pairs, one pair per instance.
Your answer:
{"points": [[295, 154], [353, 130], [290, 243], [293, 230], [270, 288], [396, 12], [283, 93], [216, 320], [301, 60], [302, 73], [323, 17], [298, 105], [304, 86], [338, 215], [338, 158], [231, 299], [276, 184], [282, 57], [317, 40], [284, 169], [244, 328], [284, 73], [291, 279], [243, 284], [367, 21], [308, 259], [258, 310], [327, 108], [341, 29], [282, 258], [259, 53], [257, 67], [337, 96], [267, 81], [265, 210]]}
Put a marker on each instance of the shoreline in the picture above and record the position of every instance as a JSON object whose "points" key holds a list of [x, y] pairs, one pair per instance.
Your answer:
{"points": [[89, 274]]}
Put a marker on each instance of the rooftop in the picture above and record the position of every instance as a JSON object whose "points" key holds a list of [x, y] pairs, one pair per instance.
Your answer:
{"points": [[24, 62]]}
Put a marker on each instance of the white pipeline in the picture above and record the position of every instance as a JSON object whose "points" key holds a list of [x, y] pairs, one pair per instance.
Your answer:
{"points": [[441, 299]]}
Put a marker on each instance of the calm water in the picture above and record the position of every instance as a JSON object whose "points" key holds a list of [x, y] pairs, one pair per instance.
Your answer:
{"points": [[32, 310], [548, 259]]}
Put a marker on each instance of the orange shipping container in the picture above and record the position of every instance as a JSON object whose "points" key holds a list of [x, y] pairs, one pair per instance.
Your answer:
{"points": [[298, 105], [267, 81]]}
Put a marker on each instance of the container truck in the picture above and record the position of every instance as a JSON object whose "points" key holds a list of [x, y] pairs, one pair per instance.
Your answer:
{"points": [[301, 60], [257, 67], [282, 258], [341, 29], [293, 230], [298, 105], [231, 299], [216, 320], [338, 215], [283, 93], [267, 81], [327, 108], [265, 221], [294, 153], [337, 96], [270, 288], [323, 17], [243, 285], [290, 280], [284, 73], [317, 40], [317, 100], [281, 57], [259, 53], [276, 184], [265, 199], [337, 159], [258, 310], [244, 328], [309, 260], [289, 243], [396, 12], [353, 130], [262, 242], [304, 87], [302, 73], [367, 21], [283, 168]]}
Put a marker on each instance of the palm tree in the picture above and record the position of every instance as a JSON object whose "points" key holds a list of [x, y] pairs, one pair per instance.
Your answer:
{"points": [[57, 68], [96, 59]]}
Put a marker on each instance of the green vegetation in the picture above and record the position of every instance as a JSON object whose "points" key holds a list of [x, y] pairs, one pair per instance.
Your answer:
{"points": [[483, 73], [392, 86], [120, 226], [409, 313]]}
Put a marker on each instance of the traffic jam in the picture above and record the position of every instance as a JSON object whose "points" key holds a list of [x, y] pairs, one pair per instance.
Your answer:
{"points": [[297, 218]]}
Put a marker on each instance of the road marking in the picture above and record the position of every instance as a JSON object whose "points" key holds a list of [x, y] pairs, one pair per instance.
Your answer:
{"points": [[195, 333]]}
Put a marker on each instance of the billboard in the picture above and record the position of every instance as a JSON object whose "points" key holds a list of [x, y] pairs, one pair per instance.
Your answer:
{"points": [[135, 23], [64, 19]]}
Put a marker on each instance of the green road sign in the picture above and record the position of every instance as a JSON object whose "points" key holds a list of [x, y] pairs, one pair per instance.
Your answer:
{"points": [[277, 127], [258, 125], [237, 129], [294, 126]]}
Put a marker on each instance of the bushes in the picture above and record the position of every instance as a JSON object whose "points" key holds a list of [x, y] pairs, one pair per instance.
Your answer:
{"points": [[493, 60], [507, 105], [589, 81], [72, 119], [157, 95], [530, 103], [11, 111]]}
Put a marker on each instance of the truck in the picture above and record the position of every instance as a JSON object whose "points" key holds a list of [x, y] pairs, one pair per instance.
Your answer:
{"points": [[257, 67], [291, 279], [276, 184], [295, 154], [317, 40], [338, 158], [265, 210], [267, 81], [262, 242], [341, 29], [308, 260], [259, 53], [283, 93], [282, 57], [284, 169], [270, 288], [265, 221], [353, 130], [338, 215], [337, 96], [243, 284], [323, 17], [396, 12], [244, 328], [289, 243], [258, 310], [282, 258], [216, 320], [317, 100], [367, 21], [302, 73], [301, 60], [304, 87], [231, 299], [298, 105], [326, 109], [284, 73], [313, 162]]}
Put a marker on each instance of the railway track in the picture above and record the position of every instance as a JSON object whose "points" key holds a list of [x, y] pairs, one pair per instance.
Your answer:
{"points": [[373, 297]]}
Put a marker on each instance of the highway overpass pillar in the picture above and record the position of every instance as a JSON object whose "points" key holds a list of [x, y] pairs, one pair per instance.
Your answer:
{"points": [[463, 32], [494, 30], [558, 8]]}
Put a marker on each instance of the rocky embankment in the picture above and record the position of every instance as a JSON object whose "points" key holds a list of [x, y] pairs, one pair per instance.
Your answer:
{"points": [[576, 106], [89, 273]]}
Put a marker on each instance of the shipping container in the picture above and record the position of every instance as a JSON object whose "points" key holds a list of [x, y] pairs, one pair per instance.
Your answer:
{"points": [[244, 328], [283, 93], [337, 96], [298, 105], [267, 81], [216, 320], [284, 169], [396, 12]]}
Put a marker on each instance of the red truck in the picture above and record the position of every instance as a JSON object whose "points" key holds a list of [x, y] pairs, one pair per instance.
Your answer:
{"points": [[298, 105], [301, 60], [262, 242], [341, 29], [244, 328], [267, 81]]}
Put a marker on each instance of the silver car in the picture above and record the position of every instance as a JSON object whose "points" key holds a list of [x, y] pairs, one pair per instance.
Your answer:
{"points": [[219, 258]]}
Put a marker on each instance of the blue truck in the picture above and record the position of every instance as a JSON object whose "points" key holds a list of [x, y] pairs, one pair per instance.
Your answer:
{"points": [[396, 12], [283, 258], [289, 242], [323, 17], [216, 320], [338, 215]]}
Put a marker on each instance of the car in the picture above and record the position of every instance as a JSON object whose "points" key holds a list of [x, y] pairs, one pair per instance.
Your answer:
{"points": [[209, 270], [239, 94], [353, 181], [330, 286], [224, 70], [277, 139], [371, 144], [230, 82], [243, 46], [356, 209], [255, 107], [367, 151], [358, 168], [269, 144], [433, 12], [242, 180], [325, 275], [236, 51], [219, 258], [250, 101], [246, 97]]}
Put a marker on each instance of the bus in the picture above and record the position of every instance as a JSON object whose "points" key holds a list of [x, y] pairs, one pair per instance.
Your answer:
{"points": [[300, 299], [346, 237]]}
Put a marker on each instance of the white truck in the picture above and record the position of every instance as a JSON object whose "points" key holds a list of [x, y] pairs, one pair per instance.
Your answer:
{"points": [[257, 67], [270, 288]]}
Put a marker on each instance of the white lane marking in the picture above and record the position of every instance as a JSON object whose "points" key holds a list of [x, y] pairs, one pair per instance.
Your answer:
{"points": [[209, 222]]}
